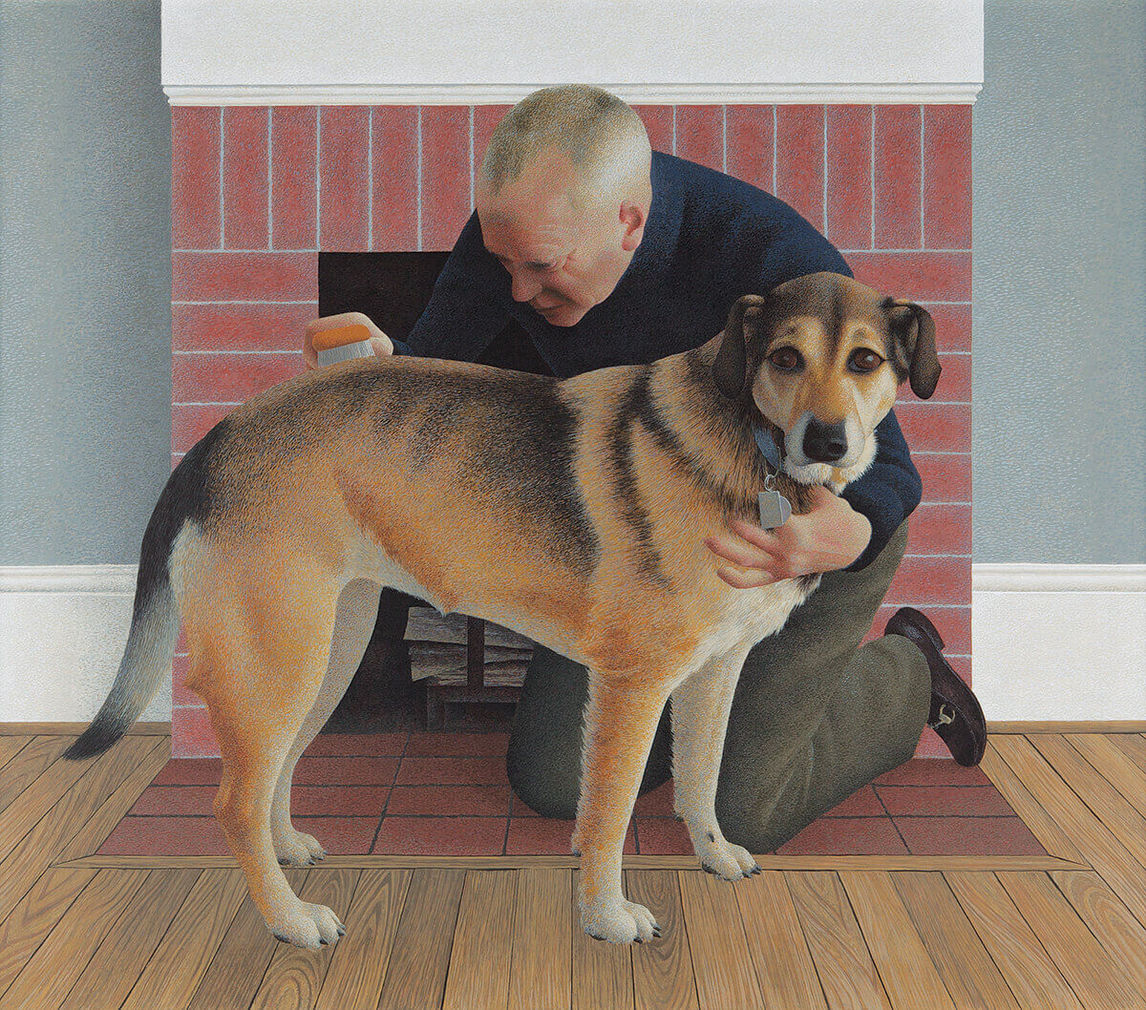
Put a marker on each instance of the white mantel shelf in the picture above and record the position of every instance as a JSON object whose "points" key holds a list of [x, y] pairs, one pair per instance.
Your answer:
{"points": [[462, 52]]}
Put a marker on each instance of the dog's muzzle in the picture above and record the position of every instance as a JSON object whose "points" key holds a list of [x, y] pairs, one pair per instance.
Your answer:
{"points": [[825, 443]]}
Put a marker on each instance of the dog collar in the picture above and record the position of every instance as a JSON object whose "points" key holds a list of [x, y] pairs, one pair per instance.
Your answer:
{"points": [[768, 448]]}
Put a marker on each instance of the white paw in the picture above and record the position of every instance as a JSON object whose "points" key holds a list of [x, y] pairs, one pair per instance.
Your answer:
{"points": [[619, 921], [309, 926], [719, 856], [297, 848]]}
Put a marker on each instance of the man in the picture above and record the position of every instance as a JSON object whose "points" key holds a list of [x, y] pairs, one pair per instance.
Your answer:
{"points": [[607, 253]]}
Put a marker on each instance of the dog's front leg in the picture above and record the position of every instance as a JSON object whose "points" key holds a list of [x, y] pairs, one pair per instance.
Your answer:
{"points": [[621, 719], [700, 709]]}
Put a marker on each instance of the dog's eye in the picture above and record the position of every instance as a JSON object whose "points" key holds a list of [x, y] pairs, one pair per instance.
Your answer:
{"points": [[863, 361], [786, 359]]}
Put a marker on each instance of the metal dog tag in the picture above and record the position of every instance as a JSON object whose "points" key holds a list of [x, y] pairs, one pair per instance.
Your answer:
{"points": [[775, 509]]}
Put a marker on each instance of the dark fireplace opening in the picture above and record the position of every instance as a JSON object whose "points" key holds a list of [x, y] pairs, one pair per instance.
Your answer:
{"points": [[393, 288]]}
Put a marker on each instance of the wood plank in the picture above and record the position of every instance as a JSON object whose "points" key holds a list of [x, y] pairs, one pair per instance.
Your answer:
{"points": [[179, 962], [237, 969], [35, 916], [420, 957], [662, 968], [844, 964], [1096, 980], [900, 957], [52, 971], [721, 963], [1133, 746], [74, 729], [124, 952], [10, 746], [784, 966], [602, 972], [1109, 920], [27, 769], [540, 977], [295, 976], [958, 954], [1044, 827], [1102, 850], [362, 956], [483, 942], [1114, 765], [1026, 727], [1108, 804], [43, 842], [1032, 976]]}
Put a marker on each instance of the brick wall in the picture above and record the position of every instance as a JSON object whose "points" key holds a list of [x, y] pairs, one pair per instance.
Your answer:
{"points": [[257, 192]]}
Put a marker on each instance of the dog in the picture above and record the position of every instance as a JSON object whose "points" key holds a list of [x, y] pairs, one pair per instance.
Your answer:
{"points": [[573, 511]]}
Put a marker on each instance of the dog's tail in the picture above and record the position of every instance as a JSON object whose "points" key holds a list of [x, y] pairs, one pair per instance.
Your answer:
{"points": [[155, 613]]}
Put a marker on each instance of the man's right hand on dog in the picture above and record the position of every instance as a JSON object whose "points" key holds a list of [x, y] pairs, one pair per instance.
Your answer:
{"points": [[381, 343]]}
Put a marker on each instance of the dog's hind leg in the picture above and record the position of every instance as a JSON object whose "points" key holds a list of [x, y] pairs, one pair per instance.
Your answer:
{"points": [[700, 709], [353, 625]]}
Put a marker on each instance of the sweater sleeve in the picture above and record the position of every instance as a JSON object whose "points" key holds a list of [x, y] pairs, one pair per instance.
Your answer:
{"points": [[887, 493], [468, 306]]}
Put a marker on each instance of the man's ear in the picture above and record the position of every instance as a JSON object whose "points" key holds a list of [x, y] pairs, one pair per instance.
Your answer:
{"points": [[913, 340], [730, 369], [633, 216]]}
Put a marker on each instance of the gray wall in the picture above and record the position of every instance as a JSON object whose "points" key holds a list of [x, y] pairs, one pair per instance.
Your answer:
{"points": [[1058, 160]]}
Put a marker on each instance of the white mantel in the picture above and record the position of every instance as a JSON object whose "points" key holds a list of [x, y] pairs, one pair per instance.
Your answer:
{"points": [[449, 52]]}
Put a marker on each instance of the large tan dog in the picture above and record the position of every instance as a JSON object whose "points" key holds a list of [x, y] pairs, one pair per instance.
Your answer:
{"points": [[574, 512]]}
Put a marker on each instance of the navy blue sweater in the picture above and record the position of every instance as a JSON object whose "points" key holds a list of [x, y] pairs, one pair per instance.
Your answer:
{"points": [[708, 240]]}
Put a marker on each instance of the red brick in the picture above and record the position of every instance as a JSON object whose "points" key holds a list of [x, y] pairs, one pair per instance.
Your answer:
{"points": [[543, 835], [750, 144], [181, 694], [844, 836], [954, 382], [940, 529], [190, 772], [478, 801], [229, 378], [921, 580], [244, 276], [395, 189], [849, 176], [486, 118], [947, 176], [361, 770], [166, 836], [444, 836], [944, 801], [357, 744], [896, 155], [952, 326], [294, 177], [656, 802], [862, 803], [968, 836], [935, 427], [195, 178], [192, 734], [457, 744], [700, 134], [930, 747], [920, 276], [445, 174], [245, 178], [933, 773], [266, 327], [341, 836], [189, 424], [661, 836], [658, 124], [175, 801], [341, 801], [344, 180], [946, 476], [800, 160], [478, 771], [952, 623]]}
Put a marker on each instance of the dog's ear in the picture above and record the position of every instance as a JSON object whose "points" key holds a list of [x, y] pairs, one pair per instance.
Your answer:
{"points": [[730, 369], [912, 333]]}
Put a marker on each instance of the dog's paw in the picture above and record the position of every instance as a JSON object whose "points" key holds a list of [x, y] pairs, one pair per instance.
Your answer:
{"points": [[720, 857], [309, 926], [619, 921], [297, 848]]}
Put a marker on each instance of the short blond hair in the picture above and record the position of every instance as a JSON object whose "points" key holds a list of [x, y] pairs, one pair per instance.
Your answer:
{"points": [[603, 137]]}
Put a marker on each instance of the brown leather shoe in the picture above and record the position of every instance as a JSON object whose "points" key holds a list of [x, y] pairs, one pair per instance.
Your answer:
{"points": [[955, 713]]}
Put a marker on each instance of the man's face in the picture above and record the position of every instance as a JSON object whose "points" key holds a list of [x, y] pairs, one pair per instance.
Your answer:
{"points": [[562, 259]]}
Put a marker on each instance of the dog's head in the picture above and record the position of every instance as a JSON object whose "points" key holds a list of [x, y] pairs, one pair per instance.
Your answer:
{"points": [[821, 357]]}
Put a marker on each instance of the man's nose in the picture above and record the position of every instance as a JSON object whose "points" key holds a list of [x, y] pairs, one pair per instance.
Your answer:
{"points": [[523, 287]]}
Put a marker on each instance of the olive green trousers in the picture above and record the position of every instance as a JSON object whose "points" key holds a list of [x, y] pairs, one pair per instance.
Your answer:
{"points": [[814, 718]]}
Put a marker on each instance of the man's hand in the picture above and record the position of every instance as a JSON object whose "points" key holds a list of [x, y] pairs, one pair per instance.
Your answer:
{"points": [[381, 343], [832, 535]]}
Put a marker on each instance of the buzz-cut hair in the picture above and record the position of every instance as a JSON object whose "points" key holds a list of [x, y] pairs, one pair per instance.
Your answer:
{"points": [[603, 137]]}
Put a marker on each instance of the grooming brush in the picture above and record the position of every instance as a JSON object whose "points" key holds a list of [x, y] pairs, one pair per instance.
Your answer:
{"points": [[342, 343]]}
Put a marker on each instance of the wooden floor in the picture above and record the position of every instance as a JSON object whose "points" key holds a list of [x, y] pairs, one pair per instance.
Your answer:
{"points": [[909, 932]]}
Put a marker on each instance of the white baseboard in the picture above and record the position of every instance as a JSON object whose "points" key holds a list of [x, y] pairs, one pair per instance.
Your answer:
{"points": [[1050, 642]]}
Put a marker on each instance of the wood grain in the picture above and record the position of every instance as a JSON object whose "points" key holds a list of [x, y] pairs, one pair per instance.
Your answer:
{"points": [[540, 977], [483, 942], [1133, 745], [1113, 765], [662, 968], [602, 972], [720, 959]]}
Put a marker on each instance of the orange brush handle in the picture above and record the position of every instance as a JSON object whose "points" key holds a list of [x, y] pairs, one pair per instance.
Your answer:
{"points": [[339, 336]]}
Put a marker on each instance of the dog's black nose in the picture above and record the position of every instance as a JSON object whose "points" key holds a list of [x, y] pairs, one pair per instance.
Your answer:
{"points": [[825, 443]]}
